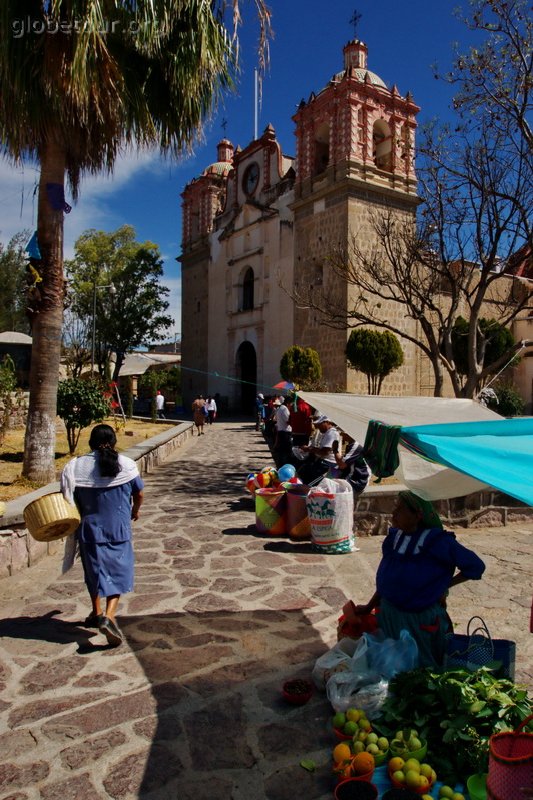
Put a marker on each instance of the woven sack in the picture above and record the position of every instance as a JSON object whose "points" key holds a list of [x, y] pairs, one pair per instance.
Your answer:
{"points": [[330, 511], [510, 764], [50, 517], [270, 511]]}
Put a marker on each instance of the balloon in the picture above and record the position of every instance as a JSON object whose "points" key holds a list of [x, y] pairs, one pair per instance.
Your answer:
{"points": [[286, 472], [250, 483]]}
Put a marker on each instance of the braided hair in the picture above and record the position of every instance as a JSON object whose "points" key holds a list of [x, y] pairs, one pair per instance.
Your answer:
{"points": [[103, 440]]}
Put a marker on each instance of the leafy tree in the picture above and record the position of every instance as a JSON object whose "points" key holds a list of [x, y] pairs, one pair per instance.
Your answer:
{"points": [[135, 314], [8, 386], [151, 381], [301, 365], [495, 340], [72, 99], [79, 404], [13, 263], [374, 353], [474, 225], [508, 401]]}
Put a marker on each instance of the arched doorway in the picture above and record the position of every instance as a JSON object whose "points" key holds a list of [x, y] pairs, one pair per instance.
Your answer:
{"points": [[247, 374]]}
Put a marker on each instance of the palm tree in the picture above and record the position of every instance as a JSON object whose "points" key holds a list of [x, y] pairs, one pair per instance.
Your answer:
{"points": [[80, 82]]}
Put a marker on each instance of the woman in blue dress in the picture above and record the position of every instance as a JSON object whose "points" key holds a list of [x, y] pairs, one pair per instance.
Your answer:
{"points": [[107, 490], [420, 562]]}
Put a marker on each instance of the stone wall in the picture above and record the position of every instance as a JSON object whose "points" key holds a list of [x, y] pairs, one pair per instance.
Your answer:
{"points": [[19, 550], [485, 509]]}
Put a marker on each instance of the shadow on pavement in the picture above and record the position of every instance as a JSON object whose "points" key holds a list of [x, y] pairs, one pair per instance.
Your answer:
{"points": [[213, 719]]}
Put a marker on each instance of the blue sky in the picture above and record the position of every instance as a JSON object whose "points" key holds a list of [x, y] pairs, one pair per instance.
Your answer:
{"points": [[404, 40]]}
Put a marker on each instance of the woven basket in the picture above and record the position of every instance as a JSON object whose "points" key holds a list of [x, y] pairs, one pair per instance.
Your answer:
{"points": [[510, 763], [50, 517]]}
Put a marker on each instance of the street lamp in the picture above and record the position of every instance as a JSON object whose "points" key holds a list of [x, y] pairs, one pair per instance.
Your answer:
{"points": [[112, 291]]}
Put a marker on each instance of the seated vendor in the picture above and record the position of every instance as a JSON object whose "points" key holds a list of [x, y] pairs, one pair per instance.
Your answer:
{"points": [[320, 457]]}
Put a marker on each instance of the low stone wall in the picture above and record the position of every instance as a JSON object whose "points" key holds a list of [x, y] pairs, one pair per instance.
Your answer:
{"points": [[19, 550], [486, 509]]}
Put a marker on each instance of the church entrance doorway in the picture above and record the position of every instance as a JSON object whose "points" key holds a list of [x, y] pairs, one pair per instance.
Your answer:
{"points": [[247, 374]]}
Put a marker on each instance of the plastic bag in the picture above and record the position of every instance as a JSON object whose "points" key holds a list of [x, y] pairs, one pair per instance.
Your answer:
{"points": [[349, 690], [374, 662], [387, 657], [338, 659]]}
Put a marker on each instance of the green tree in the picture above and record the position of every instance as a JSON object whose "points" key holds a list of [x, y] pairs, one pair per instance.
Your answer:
{"points": [[374, 353], [493, 339], [79, 404], [8, 386], [135, 314], [72, 99], [301, 365], [13, 273], [508, 401]]}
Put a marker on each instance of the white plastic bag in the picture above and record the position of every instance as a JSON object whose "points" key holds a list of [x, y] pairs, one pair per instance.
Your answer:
{"points": [[348, 690], [338, 659]]}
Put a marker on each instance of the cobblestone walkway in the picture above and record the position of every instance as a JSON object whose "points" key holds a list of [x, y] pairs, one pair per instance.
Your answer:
{"points": [[189, 707]]}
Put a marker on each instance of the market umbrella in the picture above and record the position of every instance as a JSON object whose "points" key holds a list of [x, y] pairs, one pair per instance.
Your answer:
{"points": [[284, 385]]}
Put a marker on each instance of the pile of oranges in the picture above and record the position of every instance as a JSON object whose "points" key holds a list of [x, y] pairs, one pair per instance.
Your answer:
{"points": [[348, 764]]}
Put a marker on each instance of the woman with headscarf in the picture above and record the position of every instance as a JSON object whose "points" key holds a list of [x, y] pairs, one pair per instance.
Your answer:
{"points": [[420, 562], [107, 490]]}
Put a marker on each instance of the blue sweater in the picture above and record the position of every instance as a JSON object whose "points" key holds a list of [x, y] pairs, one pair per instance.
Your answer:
{"points": [[416, 569]]}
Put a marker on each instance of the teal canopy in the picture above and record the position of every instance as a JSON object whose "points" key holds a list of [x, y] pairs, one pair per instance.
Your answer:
{"points": [[496, 452]]}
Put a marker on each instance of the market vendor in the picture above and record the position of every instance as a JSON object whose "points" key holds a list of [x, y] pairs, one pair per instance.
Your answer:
{"points": [[420, 563]]}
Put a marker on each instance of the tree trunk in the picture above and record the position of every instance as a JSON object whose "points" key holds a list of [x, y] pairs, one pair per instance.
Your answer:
{"points": [[47, 319]]}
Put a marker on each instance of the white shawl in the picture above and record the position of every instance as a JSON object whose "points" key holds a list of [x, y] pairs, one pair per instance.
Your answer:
{"points": [[84, 471]]}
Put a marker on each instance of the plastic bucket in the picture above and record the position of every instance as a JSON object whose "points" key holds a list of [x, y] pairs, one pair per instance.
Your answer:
{"points": [[270, 511], [298, 524]]}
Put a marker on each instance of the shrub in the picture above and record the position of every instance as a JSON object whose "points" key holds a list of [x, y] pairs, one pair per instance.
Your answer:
{"points": [[79, 404], [509, 402]]}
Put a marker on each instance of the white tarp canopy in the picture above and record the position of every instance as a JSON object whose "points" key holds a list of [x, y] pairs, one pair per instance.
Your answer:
{"points": [[351, 413]]}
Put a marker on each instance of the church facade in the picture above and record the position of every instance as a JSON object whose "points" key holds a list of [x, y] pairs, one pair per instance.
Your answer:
{"points": [[258, 227]]}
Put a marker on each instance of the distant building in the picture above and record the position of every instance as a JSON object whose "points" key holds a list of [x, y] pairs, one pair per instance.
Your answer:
{"points": [[18, 347]]}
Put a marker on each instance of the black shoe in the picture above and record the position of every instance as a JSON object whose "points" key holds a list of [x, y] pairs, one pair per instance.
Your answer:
{"points": [[93, 620], [111, 632]]}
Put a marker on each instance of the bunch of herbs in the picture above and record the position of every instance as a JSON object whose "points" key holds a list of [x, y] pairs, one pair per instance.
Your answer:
{"points": [[456, 712]]}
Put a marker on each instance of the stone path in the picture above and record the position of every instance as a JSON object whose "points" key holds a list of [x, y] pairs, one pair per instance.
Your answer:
{"points": [[189, 707]]}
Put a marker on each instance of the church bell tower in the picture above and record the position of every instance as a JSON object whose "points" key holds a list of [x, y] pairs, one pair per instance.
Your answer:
{"points": [[355, 159]]}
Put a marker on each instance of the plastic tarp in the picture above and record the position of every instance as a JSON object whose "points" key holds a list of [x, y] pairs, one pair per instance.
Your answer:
{"points": [[433, 481], [498, 452]]}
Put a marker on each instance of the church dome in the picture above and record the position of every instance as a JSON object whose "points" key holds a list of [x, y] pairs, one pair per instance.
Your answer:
{"points": [[221, 168], [361, 75]]}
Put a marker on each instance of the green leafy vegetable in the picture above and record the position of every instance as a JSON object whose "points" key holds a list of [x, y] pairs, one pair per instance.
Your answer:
{"points": [[307, 764], [456, 712]]}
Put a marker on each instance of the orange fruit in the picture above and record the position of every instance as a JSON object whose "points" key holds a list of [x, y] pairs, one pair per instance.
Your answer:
{"points": [[362, 763], [341, 753]]}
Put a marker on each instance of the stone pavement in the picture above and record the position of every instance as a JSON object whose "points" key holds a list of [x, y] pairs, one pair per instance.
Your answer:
{"points": [[189, 708]]}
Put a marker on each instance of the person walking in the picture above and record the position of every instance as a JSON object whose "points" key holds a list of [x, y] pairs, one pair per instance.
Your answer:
{"points": [[160, 404], [108, 491], [198, 412], [211, 407]]}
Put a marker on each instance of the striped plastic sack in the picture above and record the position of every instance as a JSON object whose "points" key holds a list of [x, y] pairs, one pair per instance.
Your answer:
{"points": [[330, 512]]}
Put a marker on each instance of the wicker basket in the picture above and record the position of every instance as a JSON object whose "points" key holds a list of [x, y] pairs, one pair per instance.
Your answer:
{"points": [[50, 517]]}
